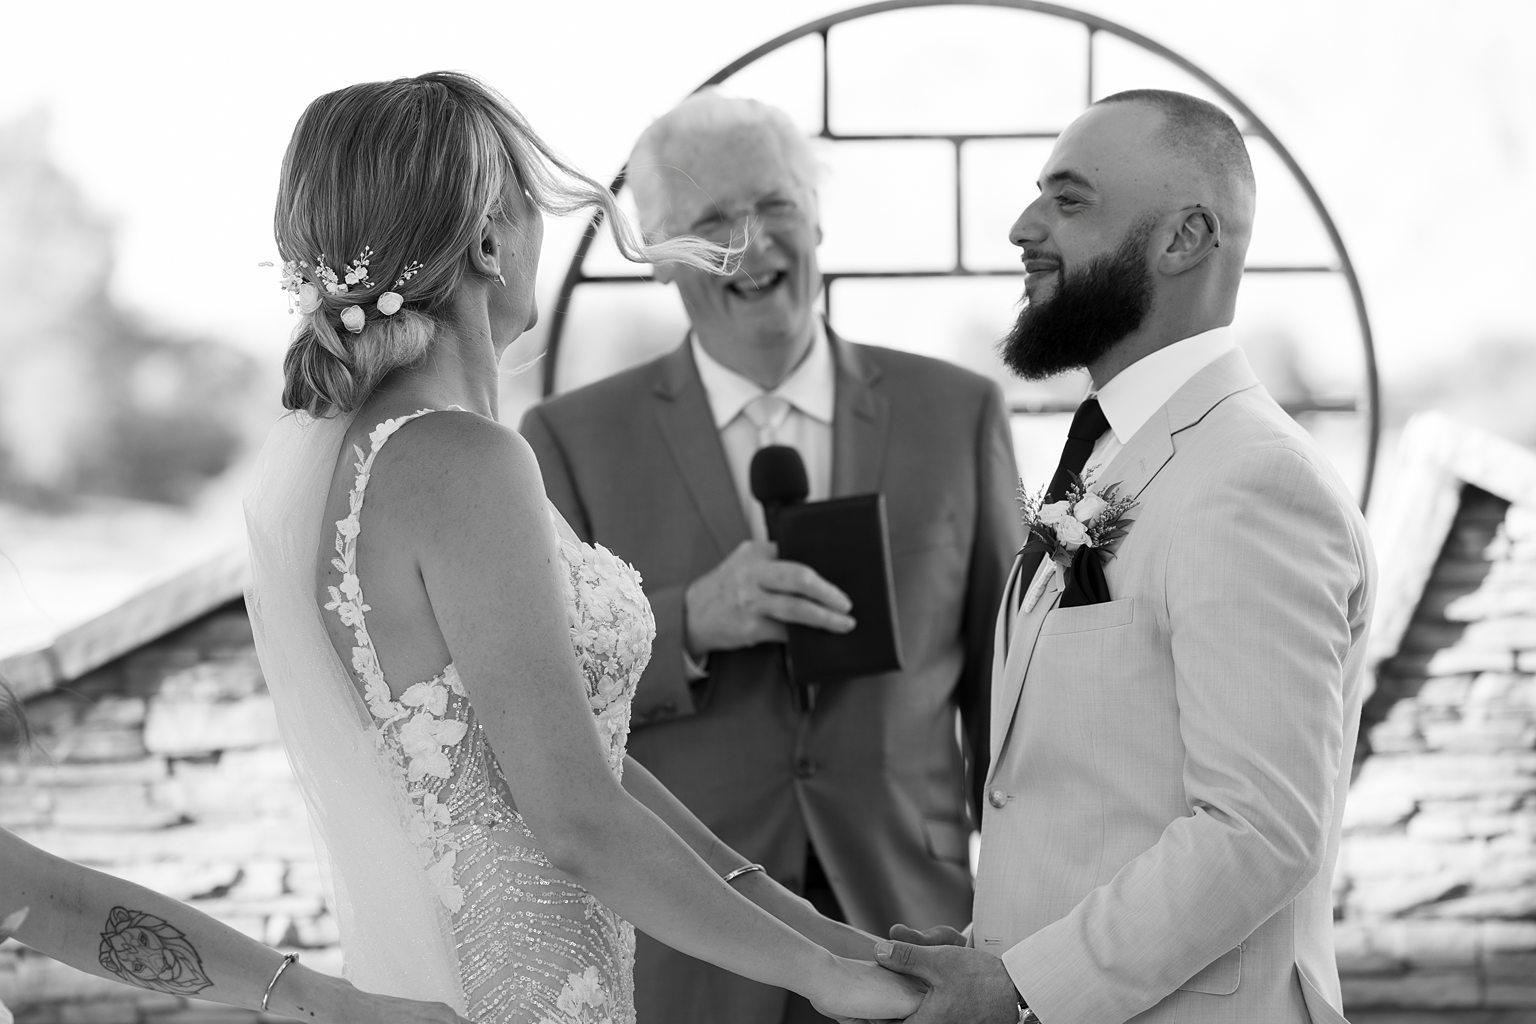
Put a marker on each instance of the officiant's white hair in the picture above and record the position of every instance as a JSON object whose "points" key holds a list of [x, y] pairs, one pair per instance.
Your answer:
{"points": [[704, 118], [409, 169]]}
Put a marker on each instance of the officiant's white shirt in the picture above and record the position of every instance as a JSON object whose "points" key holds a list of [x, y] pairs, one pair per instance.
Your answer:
{"points": [[809, 389], [1144, 387]]}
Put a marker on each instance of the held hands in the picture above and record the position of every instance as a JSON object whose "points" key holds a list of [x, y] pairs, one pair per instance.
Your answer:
{"points": [[965, 985], [747, 599], [368, 1008], [863, 992], [939, 935]]}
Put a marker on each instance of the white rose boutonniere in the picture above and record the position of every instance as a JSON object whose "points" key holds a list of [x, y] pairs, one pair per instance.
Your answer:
{"points": [[1084, 518]]}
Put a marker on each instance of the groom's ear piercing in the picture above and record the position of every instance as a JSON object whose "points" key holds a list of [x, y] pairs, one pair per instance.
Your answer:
{"points": [[1210, 220]]}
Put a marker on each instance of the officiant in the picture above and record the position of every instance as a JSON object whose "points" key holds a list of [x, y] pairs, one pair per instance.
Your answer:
{"points": [[862, 801]]}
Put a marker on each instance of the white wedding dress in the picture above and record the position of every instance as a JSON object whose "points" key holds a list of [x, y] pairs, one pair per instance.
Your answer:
{"points": [[441, 889]]}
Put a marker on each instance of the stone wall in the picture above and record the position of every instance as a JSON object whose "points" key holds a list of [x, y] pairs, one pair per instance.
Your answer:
{"points": [[1436, 886], [164, 767]]}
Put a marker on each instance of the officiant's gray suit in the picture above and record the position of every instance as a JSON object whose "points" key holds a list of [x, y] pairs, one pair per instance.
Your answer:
{"points": [[874, 777], [1170, 767]]}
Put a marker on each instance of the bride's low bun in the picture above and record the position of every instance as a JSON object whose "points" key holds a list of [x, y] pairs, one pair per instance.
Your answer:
{"points": [[329, 369]]}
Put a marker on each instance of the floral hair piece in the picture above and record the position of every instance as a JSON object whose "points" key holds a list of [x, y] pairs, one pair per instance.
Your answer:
{"points": [[303, 284]]}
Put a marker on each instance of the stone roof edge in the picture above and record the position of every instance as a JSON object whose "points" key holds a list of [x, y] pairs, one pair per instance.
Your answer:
{"points": [[1436, 455], [147, 616]]}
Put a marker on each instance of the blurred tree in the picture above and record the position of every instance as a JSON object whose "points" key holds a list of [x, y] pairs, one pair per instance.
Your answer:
{"points": [[93, 402]]}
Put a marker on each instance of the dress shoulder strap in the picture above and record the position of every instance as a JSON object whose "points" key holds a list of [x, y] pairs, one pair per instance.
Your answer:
{"points": [[347, 598]]}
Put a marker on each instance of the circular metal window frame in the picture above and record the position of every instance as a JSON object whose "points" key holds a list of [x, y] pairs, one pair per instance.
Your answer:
{"points": [[1367, 403]]}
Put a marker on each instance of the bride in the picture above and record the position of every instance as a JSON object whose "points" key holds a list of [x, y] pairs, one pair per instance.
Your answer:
{"points": [[452, 668]]}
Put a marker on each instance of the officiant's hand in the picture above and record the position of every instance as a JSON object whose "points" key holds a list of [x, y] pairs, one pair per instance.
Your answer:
{"points": [[748, 598], [965, 985]]}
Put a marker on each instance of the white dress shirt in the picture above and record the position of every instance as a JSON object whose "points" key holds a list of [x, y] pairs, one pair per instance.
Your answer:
{"points": [[809, 389], [1139, 390]]}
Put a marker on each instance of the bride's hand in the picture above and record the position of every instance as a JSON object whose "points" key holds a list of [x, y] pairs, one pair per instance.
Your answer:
{"points": [[863, 991]]}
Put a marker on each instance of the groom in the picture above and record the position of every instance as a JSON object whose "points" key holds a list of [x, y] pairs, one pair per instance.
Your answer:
{"points": [[1170, 757]]}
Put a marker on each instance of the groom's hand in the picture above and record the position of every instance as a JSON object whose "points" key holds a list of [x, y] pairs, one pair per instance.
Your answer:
{"points": [[747, 599], [965, 985]]}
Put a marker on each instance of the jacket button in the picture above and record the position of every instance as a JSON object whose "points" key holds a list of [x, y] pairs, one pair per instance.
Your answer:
{"points": [[997, 798], [804, 768]]}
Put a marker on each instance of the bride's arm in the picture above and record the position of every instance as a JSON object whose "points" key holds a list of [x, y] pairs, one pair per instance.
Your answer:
{"points": [[469, 491], [114, 929], [757, 886]]}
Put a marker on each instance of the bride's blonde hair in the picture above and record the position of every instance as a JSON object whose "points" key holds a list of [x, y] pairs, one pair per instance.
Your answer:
{"points": [[409, 169]]}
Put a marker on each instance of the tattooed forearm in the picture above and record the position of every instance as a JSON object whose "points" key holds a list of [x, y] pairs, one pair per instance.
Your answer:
{"points": [[146, 951]]}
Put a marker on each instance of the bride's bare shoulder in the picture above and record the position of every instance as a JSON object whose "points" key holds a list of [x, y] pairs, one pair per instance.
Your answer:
{"points": [[452, 464]]}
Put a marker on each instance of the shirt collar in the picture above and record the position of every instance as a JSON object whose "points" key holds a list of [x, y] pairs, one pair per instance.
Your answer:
{"points": [[809, 387], [1139, 390]]}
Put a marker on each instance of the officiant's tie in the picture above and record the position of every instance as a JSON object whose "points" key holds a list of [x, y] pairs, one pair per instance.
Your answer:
{"points": [[1088, 425], [767, 414]]}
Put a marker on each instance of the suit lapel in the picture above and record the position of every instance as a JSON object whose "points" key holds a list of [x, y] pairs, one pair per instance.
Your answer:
{"points": [[1008, 686], [682, 412], [1152, 446], [1133, 468], [860, 419], [1138, 462]]}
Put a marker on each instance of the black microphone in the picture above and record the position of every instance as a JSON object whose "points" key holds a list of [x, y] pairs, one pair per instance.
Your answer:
{"points": [[778, 480]]}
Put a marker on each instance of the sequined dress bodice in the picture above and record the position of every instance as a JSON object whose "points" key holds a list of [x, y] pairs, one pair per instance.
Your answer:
{"points": [[533, 946]]}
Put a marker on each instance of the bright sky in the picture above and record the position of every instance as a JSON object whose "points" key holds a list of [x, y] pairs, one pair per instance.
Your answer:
{"points": [[1413, 118]]}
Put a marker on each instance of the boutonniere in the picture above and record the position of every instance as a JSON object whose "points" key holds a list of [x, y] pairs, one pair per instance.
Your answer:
{"points": [[1086, 518]]}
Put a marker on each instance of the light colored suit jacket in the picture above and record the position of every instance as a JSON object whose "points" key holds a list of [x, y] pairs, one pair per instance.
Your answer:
{"points": [[1169, 768], [874, 777]]}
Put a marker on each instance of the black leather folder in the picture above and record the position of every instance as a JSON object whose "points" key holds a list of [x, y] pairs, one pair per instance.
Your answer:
{"points": [[847, 541]]}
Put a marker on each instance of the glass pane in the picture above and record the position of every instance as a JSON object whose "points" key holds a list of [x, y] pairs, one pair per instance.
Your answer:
{"points": [[603, 258], [1301, 335], [1119, 65], [952, 70], [789, 78], [997, 179], [1037, 442], [888, 206], [953, 318], [615, 326], [1286, 228]]}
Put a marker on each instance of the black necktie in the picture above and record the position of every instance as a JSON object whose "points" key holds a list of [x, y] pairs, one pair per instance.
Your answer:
{"points": [[1088, 424]]}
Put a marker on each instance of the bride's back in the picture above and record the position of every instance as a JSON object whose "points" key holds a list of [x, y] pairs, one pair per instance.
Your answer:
{"points": [[387, 544]]}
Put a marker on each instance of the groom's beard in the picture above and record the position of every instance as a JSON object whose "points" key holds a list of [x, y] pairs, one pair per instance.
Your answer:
{"points": [[1092, 310]]}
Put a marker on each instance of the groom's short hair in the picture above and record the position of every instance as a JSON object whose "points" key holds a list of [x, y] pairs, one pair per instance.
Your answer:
{"points": [[1199, 129]]}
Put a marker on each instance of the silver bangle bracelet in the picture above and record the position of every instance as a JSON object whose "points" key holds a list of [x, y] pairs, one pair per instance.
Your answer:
{"points": [[288, 958], [745, 869]]}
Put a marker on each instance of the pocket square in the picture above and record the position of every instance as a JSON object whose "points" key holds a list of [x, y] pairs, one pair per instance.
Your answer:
{"points": [[1085, 582]]}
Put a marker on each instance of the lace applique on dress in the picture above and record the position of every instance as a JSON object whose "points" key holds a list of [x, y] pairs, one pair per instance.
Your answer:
{"points": [[533, 946]]}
